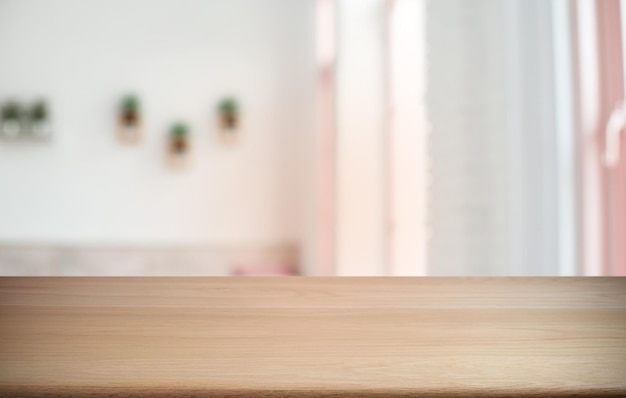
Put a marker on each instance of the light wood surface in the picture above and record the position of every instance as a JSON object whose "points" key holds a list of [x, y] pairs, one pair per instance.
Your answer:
{"points": [[312, 337]]}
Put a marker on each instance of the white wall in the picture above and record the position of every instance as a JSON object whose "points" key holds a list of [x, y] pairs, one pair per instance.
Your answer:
{"points": [[180, 56]]}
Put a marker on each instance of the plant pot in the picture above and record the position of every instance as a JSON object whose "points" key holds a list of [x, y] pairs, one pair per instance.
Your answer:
{"points": [[11, 128], [229, 121], [40, 129], [129, 127], [178, 146], [37, 122], [228, 127]]}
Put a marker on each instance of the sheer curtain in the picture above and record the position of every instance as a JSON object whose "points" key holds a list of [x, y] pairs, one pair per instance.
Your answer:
{"points": [[476, 163]]}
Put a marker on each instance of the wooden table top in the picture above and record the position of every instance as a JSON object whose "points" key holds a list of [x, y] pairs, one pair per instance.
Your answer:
{"points": [[312, 337]]}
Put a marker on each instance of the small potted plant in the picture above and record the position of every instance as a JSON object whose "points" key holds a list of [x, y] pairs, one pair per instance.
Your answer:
{"points": [[229, 114], [39, 120], [228, 117], [11, 125], [178, 145], [129, 120]]}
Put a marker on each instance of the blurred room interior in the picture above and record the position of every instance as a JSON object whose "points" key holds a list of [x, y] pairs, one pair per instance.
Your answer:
{"points": [[313, 137]]}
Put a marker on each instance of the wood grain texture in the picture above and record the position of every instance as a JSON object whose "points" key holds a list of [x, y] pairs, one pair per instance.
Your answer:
{"points": [[313, 337]]}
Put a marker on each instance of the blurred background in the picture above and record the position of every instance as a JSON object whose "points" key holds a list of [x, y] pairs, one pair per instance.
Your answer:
{"points": [[312, 137]]}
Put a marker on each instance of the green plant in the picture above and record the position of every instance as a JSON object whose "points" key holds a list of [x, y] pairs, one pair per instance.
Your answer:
{"points": [[228, 105], [179, 130], [39, 111], [11, 110], [130, 103]]}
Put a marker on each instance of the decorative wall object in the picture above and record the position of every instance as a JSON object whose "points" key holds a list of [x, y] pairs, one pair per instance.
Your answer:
{"points": [[178, 146], [229, 120], [11, 126], [39, 125], [24, 123], [129, 120]]}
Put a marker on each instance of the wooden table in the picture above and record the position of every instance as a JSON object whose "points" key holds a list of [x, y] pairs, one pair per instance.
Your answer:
{"points": [[312, 337]]}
